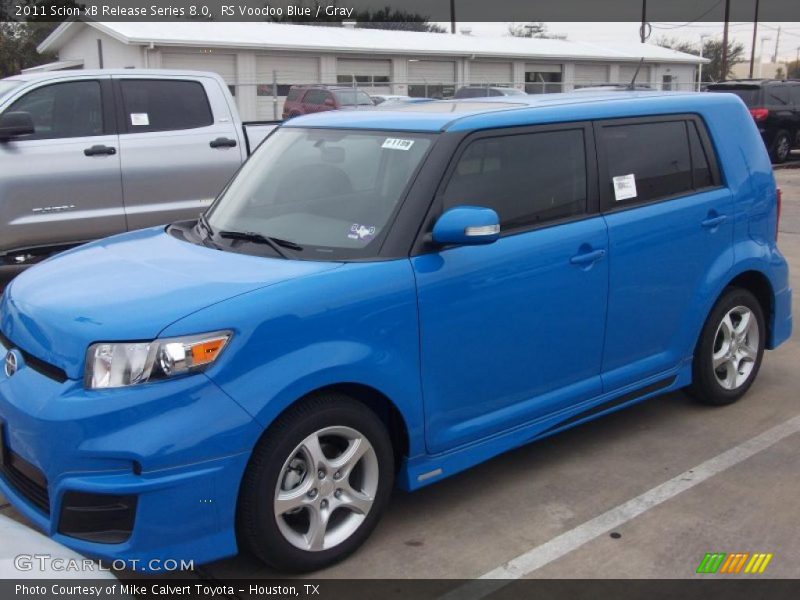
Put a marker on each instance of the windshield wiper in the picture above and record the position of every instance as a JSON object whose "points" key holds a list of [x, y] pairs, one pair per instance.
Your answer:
{"points": [[209, 231], [257, 238]]}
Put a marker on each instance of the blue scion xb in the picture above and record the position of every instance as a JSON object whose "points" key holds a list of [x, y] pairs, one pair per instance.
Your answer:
{"points": [[386, 297]]}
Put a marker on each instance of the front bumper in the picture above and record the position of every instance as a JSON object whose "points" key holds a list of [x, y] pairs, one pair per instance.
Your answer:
{"points": [[179, 448]]}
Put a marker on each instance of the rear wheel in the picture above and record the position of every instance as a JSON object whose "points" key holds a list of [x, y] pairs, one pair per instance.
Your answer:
{"points": [[731, 346], [781, 147], [316, 484]]}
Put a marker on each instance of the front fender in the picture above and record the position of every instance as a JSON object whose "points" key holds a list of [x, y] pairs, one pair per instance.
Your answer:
{"points": [[355, 324]]}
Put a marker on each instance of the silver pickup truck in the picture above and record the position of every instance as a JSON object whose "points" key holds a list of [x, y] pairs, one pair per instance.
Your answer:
{"points": [[86, 154]]}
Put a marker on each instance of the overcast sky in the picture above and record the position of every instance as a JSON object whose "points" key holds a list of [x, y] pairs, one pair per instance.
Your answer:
{"points": [[629, 32]]}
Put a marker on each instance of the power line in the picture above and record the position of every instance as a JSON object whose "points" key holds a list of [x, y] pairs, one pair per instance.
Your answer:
{"points": [[717, 3]]}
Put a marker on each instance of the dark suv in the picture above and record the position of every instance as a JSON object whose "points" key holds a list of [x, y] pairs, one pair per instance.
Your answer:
{"points": [[775, 107], [307, 99]]}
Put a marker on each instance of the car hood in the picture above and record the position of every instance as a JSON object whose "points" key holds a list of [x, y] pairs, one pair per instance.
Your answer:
{"points": [[127, 287]]}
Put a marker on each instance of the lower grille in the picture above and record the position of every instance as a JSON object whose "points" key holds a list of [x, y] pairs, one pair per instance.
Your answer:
{"points": [[26, 479]]}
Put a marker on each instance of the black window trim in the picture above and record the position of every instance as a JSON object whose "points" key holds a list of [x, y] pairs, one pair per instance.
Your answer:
{"points": [[424, 245], [607, 203], [122, 123]]}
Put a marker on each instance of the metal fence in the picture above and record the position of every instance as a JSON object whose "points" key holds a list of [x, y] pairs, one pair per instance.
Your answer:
{"points": [[268, 97]]}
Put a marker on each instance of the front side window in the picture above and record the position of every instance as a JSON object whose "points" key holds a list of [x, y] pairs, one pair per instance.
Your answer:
{"points": [[653, 158], [63, 110], [526, 178], [333, 192], [162, 105]]}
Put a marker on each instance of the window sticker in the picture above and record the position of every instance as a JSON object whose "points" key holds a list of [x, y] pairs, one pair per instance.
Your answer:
{"points": [[397, 144], [140, 119], [624, 187], [363, 233]]}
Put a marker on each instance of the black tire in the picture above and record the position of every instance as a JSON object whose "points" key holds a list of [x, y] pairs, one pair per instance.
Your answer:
{"points": [[258, 527], [706, 387], [781, 147]]}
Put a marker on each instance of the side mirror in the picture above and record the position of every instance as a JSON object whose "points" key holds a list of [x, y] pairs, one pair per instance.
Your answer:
{"points": [[329, 102], [15, 124], [467, 225]]}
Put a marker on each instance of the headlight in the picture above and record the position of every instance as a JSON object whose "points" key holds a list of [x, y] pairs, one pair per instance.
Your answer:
{"points": [[119, 364]]}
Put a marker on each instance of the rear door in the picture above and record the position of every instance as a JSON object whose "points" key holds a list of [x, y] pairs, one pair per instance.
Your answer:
{"points": [[513, 331], [178, 144], [670, 229], [61, 185]]}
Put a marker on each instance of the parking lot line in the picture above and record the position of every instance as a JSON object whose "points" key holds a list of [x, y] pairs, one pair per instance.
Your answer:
{"points": [[567, 542]]}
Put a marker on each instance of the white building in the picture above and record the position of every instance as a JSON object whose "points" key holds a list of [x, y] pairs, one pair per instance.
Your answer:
{"points": [[260, 60]]}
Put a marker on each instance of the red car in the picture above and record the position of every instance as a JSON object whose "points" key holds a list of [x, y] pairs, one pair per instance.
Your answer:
{"points": [[307, 99]]}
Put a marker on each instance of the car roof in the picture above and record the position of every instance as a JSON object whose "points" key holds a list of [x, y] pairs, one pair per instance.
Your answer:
{"points": [[67, 73], [510, 111]]}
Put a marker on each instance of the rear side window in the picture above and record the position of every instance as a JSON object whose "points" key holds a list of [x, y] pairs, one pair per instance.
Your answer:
{"points": [[652, 157], [315, 97], [526, 178], [156, 105], [293, 95], [701, 170]]}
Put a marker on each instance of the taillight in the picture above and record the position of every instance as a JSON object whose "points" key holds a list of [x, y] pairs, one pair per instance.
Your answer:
{"points": [[759, 114], [778, 218]]}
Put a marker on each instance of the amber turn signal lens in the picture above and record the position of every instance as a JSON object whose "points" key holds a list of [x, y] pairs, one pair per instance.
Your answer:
{"points": [[206, 352]]}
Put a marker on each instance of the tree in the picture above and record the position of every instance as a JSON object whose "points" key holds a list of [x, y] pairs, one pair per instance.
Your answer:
{"points": [[712, 50], [382, 18], [18, 43], [793, 70], [533, 29]]}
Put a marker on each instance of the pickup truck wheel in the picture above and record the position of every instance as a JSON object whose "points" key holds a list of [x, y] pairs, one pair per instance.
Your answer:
{"points": [[730, 349], [316, 485], [781, 147]]}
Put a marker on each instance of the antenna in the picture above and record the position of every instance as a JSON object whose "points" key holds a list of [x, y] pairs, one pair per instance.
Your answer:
{"points": [[632, 84]]}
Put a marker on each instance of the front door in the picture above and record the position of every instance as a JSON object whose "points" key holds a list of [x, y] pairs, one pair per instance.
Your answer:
{"points": [[513, 331], [61, 184]]}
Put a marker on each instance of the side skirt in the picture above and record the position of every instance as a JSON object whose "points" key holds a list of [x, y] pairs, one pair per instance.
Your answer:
{"points": [[420, 471]]}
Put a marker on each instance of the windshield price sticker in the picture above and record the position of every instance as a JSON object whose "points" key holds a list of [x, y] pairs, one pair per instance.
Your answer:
{"points": [[397, 144], [624, 187]]}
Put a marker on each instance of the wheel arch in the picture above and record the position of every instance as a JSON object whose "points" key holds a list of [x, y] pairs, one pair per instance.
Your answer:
{"points": [[758, 284]]}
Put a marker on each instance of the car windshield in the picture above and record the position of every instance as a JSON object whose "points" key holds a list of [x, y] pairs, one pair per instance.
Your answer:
{"points": [[353, 98], [750, 95], [8, 85], [332, 192]]}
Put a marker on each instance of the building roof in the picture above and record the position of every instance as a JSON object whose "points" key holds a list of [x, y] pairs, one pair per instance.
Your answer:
{"points": [[279, 36], [480, 113]]}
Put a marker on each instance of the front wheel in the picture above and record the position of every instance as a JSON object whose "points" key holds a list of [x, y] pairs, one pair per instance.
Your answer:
{"points": [[731, 346], [316, 485]]}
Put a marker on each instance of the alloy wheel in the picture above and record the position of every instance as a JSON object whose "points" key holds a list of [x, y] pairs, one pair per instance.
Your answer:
{"points": [[326, 488], [735, 347]]}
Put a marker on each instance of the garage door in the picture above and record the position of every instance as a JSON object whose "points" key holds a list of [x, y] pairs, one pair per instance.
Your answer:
{"points": [[224, 64], [431, 78], [373, 76], [588, 74], [287, 71], [492, 73], [626, 73]]}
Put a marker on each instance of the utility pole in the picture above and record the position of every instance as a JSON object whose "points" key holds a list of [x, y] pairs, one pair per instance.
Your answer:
{"points": [[724, 66], [644, 21], [753, 48], [777, 42], [452, 16]]}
